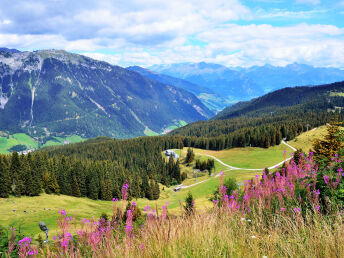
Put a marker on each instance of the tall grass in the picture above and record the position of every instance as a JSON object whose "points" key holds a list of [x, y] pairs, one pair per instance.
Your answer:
{"points": [[279, 215]]}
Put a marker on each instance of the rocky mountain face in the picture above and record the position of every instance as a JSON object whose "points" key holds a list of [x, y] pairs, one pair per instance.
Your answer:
{"points": [[246, 83], [59, 93]]}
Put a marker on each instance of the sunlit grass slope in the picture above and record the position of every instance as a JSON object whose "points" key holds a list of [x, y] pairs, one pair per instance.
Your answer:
{"points": [[305, 141], [249, 157], [23, 139]]}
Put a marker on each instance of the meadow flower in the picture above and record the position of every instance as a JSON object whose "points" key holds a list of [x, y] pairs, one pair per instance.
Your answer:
{"points": [[326, 179], [253, 237], [25, 240], [115, 199], [125, 188], [282, 209], [62, 212], [141, 246], [147, 208], [297, 210], [317, 192]]}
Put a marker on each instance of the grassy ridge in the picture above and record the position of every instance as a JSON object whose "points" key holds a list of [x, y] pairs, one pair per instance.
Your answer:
{"points": [[305, 140]]}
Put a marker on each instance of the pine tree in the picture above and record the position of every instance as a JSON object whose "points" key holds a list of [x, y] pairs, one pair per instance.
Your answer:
{"points": [[189, 204], [35, 188], [327, 148], [75, 187], [4, 180], [93, 189], [176, 172], [190, 155], [145, 186], [15, 172], [156, 190], [150, 195]]}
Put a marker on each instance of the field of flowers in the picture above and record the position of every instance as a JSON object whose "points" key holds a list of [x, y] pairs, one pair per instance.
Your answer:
{"points": [[295, 211]]}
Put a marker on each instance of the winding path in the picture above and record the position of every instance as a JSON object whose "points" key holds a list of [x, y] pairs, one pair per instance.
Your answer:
{"points": [[235, 168]]}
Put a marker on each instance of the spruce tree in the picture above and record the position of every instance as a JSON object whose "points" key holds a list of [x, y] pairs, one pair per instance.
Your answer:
{"points": [[176, 172], [190, 155], [93, 189], [15, 172], [189, 204], [75, 187], [156, 190], [4, 180], [331, 145]]}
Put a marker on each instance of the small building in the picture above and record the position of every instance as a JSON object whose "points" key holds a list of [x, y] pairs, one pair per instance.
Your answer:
{"points": [[177, 188], [171, 153]]}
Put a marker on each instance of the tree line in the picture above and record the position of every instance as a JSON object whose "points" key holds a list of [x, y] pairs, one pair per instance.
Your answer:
{"points": [[96, 169]]}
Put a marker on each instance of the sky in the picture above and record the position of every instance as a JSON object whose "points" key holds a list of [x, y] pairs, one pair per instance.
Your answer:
{"points": [[146, 32]]}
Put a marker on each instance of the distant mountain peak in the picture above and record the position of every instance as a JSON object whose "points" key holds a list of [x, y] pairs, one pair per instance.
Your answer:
{"points": [[10, 50]]}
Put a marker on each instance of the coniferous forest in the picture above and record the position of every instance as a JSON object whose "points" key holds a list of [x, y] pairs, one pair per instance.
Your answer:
{"points": [[96, 169]]}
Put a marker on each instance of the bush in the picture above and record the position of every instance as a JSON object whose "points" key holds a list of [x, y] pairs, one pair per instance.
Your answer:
{"points": [[230, 184]]}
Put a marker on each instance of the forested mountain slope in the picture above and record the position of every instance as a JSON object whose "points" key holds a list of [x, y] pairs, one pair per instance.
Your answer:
{"points": [[266, 120], [59, 93]]}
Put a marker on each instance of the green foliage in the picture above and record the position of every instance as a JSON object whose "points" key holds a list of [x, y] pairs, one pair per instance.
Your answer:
{"points": [[230, 184], [190, 155], [189, 206], [331, 145], [5, 238]]}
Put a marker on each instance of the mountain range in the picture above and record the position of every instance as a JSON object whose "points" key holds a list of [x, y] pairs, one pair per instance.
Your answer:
{"points": [[235, 84], [212, 100], [53, 92]]}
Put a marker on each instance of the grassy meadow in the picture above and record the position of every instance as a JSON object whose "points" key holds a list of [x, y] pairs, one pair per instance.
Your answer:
{"points": [[246, 158], [16, 139], [45, 207], [10, 141]]}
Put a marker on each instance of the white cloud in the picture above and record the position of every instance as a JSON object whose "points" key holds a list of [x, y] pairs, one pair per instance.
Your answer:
{"points": [[288, 14], [313, 2], [5, 22], [157, 32]]}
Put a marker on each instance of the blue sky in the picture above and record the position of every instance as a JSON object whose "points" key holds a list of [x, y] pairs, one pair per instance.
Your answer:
{"points": [[146, 32]]}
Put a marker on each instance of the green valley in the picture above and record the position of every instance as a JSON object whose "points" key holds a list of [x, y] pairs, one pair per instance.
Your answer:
{"points": [[9, 143]]}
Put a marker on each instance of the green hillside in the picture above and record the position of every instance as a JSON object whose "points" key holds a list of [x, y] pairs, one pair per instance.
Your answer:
{"points": [[25, 142]]}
